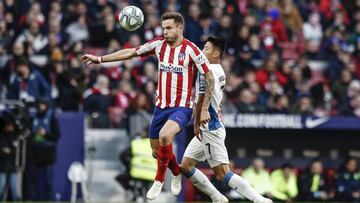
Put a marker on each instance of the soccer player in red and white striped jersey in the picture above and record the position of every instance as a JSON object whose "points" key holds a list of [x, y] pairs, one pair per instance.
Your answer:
{"points": [[178, 61]]}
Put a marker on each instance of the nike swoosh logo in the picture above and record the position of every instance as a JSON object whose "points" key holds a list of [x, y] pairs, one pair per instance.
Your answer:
{"points": [[312, 123]]}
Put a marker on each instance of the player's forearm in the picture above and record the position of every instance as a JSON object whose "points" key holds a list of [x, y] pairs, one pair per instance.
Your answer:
{"points": [[209, 87], [120, 55], [198, 107]]}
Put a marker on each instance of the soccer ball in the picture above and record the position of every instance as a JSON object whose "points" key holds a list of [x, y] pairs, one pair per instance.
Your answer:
{"points": [[131, 18]]}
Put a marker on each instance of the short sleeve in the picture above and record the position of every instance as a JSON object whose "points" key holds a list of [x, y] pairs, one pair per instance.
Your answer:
{"points": [[148, 48]]}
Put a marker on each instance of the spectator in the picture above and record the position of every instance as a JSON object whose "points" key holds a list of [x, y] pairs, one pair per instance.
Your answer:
{"points": [[332, 48], [273, 24], [8, 172], [242, 37], [247, 103], [78, 30], [341, 85], [97, 101], [149, 73], [153, 28], [33, 37], [353, 109], [284, 184], [69, 88], [124, 95], [232, 88], [269, 72], [150, 90], [101, 35], [312, 29], [243, 62], [225, 30], [5, 35], [207, 25], [348, 102], [347, 182], [137, 116], [228, 107], [248, 79], [304, 107], [258, 9], [28, 84], [258, 177], [257, 48], [45, 133], [303, 65], [193, 30], [9, 72], [313, 185], [355, 35], [279, 105], [291, 16]]}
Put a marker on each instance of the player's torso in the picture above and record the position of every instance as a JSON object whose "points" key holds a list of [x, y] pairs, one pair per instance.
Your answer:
{"points": [[217, 95], [175, 75]]}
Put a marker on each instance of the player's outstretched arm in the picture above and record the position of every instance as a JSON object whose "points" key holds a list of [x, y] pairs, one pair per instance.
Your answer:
{"points": [[120, 55], [209, 88]]}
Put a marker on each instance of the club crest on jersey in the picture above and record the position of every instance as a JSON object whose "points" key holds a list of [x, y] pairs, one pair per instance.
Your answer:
{"points": [[181, 56]]}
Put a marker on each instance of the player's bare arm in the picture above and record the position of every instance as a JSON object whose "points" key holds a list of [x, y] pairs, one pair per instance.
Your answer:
{"points": [[197, 115], [209, 87], [120, 55]]}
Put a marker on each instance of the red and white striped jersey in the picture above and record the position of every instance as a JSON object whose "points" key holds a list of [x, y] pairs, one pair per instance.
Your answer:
{"points": [[176, 71]]}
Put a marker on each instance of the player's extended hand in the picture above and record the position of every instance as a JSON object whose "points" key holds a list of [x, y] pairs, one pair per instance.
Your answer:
{"points": [[204, 117], [197, 132], [89, 59]]}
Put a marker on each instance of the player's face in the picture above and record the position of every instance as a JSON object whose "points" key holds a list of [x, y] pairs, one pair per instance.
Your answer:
{"points": [[172, 30], [209, 50]]}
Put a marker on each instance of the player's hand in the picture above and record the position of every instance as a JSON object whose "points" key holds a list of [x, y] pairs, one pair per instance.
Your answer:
{"points": [[204, 117], [89, 59], [197, 132]]}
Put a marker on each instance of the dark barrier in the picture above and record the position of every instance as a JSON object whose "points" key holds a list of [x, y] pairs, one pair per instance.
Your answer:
{"points": [[290, 138], [70, 148]]}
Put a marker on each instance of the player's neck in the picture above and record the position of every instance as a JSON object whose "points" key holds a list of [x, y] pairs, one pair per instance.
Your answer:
{"points": [[178, 42], [214, 61]]}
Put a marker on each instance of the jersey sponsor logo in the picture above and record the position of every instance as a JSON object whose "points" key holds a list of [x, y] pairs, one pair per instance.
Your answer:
{"points": [[171, 68], [181, 56]]}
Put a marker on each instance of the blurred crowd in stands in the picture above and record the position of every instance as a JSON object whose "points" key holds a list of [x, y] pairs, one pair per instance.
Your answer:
{"points": [[283, 56]]}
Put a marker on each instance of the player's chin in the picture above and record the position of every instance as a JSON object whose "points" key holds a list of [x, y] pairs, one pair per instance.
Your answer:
{"points": [[169, 39]]}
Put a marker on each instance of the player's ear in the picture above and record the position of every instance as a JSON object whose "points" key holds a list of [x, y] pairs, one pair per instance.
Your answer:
{"points": [[181, 27], [216, 54]]}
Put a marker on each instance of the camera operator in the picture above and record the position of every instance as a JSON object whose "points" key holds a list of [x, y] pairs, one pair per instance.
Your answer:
{"points": [[8, 173], [45, 133]]}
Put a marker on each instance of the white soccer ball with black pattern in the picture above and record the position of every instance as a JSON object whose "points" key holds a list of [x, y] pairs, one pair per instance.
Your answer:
{"points": [[131, 18]]}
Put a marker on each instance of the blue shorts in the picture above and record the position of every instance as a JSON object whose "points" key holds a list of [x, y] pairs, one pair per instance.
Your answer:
{"points": [[181, 115]]}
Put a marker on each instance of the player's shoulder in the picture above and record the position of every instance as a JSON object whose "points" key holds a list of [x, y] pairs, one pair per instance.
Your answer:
{"points": [[217, 68], [192, 45], [157, 40]]}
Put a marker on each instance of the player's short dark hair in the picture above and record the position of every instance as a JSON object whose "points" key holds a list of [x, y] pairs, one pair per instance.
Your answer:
{"points": [[176, 16], [218, 42]]}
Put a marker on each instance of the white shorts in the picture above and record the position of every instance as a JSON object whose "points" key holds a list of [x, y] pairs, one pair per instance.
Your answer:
{"points": [[211, 148]]}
